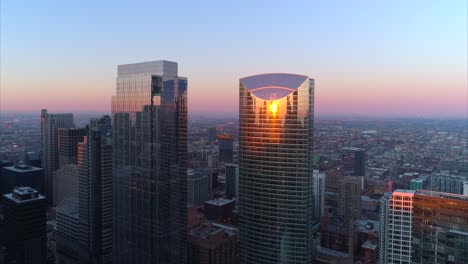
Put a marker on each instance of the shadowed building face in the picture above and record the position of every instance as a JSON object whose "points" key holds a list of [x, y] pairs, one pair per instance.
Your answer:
{"points": [[275, 168]]}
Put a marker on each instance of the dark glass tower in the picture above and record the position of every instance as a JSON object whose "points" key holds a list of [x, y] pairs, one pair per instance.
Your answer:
{"points": [[149, 164], [275, 168]]}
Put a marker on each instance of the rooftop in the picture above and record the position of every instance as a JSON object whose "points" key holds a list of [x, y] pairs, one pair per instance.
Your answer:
{"points": [[272, 86], [219, 201], [24, 194], [22, 168]]}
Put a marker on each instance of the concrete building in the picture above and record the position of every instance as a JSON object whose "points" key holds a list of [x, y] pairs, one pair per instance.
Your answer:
{"points": [[213, 243], [349, 198], [219, 210], [396, 226], [198, 186], [68, 224], [445, 182], [25, 226], [66, 183]]}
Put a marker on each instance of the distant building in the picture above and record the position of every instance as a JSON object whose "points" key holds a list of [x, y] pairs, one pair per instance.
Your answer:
{"points": [[68, 228], [445, 182], [219, 210], [440, 228], [319, 194], [25, 226], [460, 165], [102, 124], [95, 198], [198, 186], [396, 222], [68, 139], [212, 134], [33, 159], [349, 198], [360, 162], [50, 123], [21, 175], [213, 243], [226, 147], [417, 184], [232, 180]]}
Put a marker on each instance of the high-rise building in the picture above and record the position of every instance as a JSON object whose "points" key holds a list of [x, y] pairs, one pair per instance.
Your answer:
{"points": [[21, 175], [50, 123], [68, 139], [359, 162], [68, 228], [149, 132], [32, 158], [225, 146], [212, 243], [440, 228], [319, 194], [102, 124], [445, 182], [198, 186], [349, 198], [396, 221], [212, 134], [95, 198], [25, 226], [66, 183], [275, 168], [232, 180]]}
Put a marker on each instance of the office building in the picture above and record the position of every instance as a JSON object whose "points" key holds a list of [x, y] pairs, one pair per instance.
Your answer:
{"points": [[95, 198], [198, 186], [50, 123], [68, 139], [102, 124], [68, 228], [212, 243], [445, 182], [219, 210], [225, 147], [440, 228], [212, 134], [66, 183], [319, 194], [359, 162], [25, 226], [21, 175], [232, 180], [32, 158], [396, 222], [149, 132], [349, 198], [275, 168], [417, 184]]}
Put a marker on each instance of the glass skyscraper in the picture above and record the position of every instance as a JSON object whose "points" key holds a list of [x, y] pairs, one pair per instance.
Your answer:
{"points": [[149, 127], [275, 168]]}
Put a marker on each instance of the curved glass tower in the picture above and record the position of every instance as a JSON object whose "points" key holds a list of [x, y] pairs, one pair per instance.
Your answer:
{"points": [[275, 168]]}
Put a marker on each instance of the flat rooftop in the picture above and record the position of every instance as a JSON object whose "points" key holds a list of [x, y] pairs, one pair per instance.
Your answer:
{"points": [[220, 201]]}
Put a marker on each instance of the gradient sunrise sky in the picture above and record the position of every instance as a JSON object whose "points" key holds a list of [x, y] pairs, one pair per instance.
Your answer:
{"points": [[392, 58]]}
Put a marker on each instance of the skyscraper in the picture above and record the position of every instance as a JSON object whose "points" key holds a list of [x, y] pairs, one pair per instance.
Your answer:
{"points": [[396, 222], [349, 198], [225, 144], [50, 123], [275, 168], [95, 198], [68, 139], [149, 160], [25, 226], [232, 180]]}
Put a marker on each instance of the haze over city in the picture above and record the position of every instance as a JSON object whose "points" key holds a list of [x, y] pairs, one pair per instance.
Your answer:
{"points": [[368, 58]]}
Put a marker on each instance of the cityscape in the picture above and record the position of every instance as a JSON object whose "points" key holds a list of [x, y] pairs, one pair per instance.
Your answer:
{"points": [[280, 162]]}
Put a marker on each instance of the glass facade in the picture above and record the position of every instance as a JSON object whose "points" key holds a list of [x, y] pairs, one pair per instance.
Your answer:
{"points": [[149, 160], [275, 168]]}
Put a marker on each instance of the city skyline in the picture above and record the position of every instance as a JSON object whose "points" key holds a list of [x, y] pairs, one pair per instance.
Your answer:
{"points": [[369, 59]]}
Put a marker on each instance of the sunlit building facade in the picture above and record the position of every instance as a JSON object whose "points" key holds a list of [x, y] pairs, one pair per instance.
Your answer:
{"points": [[149, 132], [275, 168]]}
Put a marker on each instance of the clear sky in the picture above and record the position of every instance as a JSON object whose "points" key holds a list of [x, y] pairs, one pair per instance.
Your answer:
{"points": [[393, 58]]}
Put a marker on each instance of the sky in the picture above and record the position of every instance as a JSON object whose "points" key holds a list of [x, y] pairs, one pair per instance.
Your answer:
{"points": [[368, 58]]}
